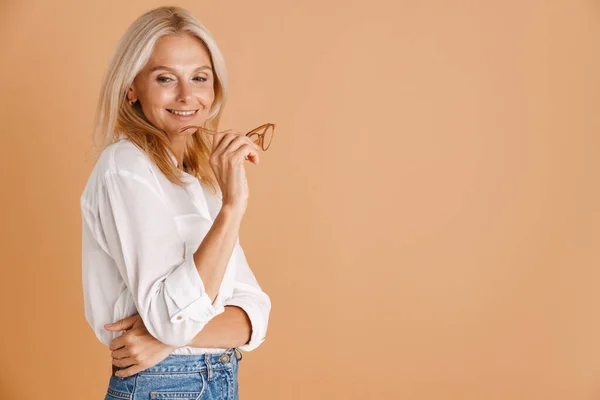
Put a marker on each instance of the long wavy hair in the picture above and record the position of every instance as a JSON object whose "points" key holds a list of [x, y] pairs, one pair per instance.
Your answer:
{"points": [[114, 115]]}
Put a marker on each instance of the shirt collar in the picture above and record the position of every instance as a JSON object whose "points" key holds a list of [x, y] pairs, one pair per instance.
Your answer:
{"points": [[173, 158]]}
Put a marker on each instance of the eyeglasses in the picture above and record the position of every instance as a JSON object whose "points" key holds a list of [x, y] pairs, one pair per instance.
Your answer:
{"points": [[261, 135]]}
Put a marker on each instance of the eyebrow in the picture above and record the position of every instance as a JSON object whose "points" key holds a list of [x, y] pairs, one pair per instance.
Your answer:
{"points": [[172, 70]]}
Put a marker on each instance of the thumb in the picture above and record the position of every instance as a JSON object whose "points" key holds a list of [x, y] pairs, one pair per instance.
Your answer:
{"points": [[122, 324]]}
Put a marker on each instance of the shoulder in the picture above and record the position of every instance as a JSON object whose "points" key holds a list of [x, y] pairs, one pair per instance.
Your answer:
{"points": [[119, 158], [124, 157]]}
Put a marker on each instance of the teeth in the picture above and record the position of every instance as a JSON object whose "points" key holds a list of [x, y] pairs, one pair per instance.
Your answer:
{"points": [[184, 113]]}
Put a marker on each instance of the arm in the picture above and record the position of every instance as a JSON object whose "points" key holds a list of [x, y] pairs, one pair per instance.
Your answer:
{"points": [[232, 328], [249, 296], [245, 325], [214, 253], [142, 237]]}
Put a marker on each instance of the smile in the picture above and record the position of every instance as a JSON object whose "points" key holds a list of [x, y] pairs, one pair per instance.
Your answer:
{"points": [[183, 113]]}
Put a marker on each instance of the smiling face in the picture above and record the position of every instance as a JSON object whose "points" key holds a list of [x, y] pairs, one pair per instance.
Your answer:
{"points": [[176, 86]]}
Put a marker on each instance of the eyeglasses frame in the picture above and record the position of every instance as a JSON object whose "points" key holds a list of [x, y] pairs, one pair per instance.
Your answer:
{"points": [[256, 131]]}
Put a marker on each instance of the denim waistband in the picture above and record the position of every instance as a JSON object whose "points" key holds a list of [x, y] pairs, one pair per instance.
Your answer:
{"points": [[195, 362]]}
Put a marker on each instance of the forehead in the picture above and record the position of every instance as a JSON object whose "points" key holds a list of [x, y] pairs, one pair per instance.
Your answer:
{"points": [[179, 51]]}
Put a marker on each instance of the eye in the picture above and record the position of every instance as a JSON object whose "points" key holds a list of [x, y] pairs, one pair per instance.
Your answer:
{"points": [[203, 79], [163, 79]]}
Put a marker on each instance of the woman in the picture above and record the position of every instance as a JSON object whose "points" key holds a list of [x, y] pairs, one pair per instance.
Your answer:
{"points": [[161, 215]]}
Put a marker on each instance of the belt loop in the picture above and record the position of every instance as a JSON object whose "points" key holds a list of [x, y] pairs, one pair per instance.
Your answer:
{"points": [[236, 350], [207, 361]]}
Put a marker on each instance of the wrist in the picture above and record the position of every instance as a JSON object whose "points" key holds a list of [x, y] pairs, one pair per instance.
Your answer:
{"points": [[233, 209]]}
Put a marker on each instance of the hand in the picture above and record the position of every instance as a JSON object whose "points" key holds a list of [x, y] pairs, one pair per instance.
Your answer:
{"points": [[229, 151], [136, 348]]}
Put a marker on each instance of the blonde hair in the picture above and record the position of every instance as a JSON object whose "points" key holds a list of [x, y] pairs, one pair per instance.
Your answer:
{"points": [[114, 116]]}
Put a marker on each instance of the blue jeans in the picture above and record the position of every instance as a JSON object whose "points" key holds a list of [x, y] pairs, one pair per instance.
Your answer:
{"points": [[182, 377]]}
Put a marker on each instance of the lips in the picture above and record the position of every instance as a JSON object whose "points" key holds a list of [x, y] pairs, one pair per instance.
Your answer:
{"points": [[183, 113]]}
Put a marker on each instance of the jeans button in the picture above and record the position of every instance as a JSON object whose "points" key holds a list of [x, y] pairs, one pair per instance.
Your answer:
{"points": [[224, 358]]}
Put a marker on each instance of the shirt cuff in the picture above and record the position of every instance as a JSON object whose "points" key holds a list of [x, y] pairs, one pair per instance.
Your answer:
{"points": [[189, 299], [256, 321]]}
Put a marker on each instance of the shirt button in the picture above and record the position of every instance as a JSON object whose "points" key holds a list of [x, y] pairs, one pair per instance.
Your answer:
{"points": [[179, 317]]}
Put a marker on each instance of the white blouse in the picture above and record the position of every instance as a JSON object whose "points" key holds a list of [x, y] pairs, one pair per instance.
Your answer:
{"points": [[140, 232]]}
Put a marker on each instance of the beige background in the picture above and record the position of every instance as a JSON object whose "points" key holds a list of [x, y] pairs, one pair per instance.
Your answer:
{"points": [[426, 222]]}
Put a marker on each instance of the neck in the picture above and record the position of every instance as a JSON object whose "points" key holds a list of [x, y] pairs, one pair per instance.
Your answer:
{"points": [[178, 143]]}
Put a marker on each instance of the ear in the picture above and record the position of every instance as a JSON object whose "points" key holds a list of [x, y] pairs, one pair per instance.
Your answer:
{"points": [[131, 95]]}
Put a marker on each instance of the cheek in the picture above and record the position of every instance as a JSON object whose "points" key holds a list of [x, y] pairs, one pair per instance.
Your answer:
{"points": [[155, 106], [155, 95], [160, 98], [208, 96]]}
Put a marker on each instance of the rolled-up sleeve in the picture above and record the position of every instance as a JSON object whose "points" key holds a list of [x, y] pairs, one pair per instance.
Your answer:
{"points": [[249, 296], [142, 237]]}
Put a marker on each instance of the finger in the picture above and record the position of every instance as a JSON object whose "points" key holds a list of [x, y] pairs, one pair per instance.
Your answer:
{"points": [[233, 145], [238, 142], [118, 342], [122, 324], [123, 352], [123, 362], [217, 138], [255, 142], [134, 369], [245, 152], [252, 142], [225, 142], [253, 159]]}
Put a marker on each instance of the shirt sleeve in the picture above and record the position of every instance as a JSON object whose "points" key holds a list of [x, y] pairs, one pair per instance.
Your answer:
{"points": [[142, 238], [248, 295]]}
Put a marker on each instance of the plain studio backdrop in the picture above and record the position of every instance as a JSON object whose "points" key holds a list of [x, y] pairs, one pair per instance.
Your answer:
{"points": [[426, 221]]}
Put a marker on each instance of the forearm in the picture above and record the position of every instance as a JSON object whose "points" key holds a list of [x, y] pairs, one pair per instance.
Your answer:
{"points": [[231, 328], [215, 251]]}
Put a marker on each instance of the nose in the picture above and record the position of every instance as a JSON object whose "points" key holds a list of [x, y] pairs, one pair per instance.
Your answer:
{"points": [[185, 92]]}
